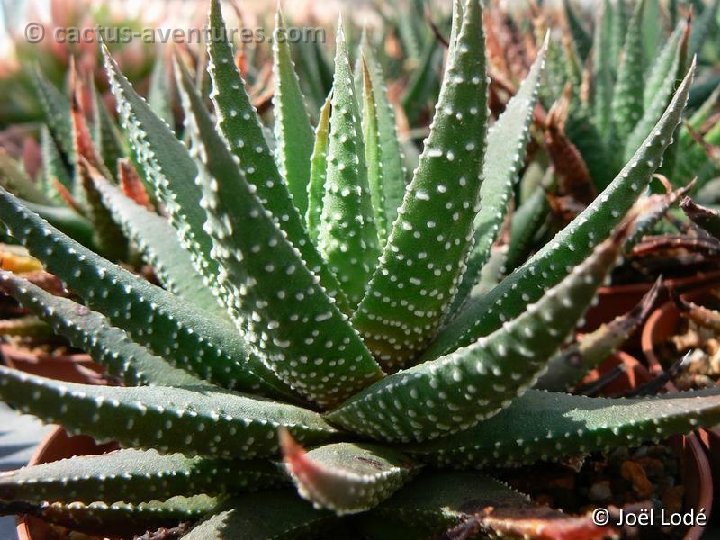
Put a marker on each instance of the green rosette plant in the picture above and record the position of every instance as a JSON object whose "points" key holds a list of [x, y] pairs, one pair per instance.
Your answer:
{"points": [[324, 335]]}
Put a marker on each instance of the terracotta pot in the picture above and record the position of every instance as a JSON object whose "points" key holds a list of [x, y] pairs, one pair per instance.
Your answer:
{"points": [[662, 324], [69, 368], [616, 300], [55, 446], [697, 474]]}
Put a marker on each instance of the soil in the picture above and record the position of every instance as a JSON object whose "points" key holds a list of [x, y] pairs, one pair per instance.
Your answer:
{"points": [[644, 477], [701, 349]]}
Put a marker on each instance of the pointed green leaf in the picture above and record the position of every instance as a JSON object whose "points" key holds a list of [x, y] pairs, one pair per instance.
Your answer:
{"points": [[68, 221], [159, 93], [14, 179], [662, 67], [581, 38], [627, 104], [660, 99], [549, 426], [435, 502], [56, 109], [262, 516], [619, 16], [348, 236], [653, 33], [240, 127], [602, 71], [505, 154], [424, 257], [422, 86], [109, 237], [53, 164], [569, 247], [585, 136], [152, 316], [271, 295], [457, 391], [344, 477], [703, 26], [318, 172], [527, 220], [125, 519], [90, 331], [170, 419], [293, 132], [373, 154], [393, 168], [569, 366], [106, 134], [154, 236], [135, 475], [166, 163]]}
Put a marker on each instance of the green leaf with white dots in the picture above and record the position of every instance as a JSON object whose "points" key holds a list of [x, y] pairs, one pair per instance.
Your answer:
{"points": [[627, 104], [570, 246], [109, 237], [660, 100], [107, 345], [425, 254], [272, 296], [318, 172], [154, 236], [14, 179], [240, 127], [703, 26], [580, 37], [433, 504], [373, 153], [153, 317], [56, 108], [662, 67], [166, 163], [393, 168], [169, 419], [67, 221], [527, 220], [106, 135], [344, 477], [569, 366], [602, 71], [125, 519], [135, 475], [54, 168], [348, 236], [270, 515], [293, 131], [548, 426], [506, 146], [457, 391], [159, 93]]}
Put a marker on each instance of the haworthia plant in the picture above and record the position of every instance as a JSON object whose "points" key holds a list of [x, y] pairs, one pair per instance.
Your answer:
{"points": [[422, 262], [258, 365], [348, 236]]}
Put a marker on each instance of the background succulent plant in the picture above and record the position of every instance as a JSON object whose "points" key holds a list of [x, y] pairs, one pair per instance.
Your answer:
{"points": [[304, 303]]}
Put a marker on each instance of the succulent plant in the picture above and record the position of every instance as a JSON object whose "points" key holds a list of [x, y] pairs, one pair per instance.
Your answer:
{"points": [[630, 74], [303, 303]]}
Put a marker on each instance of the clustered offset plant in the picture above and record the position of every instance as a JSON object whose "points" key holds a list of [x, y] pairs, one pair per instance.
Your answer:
{"points": [[79, 133], [623, 74], [313, 298]]}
